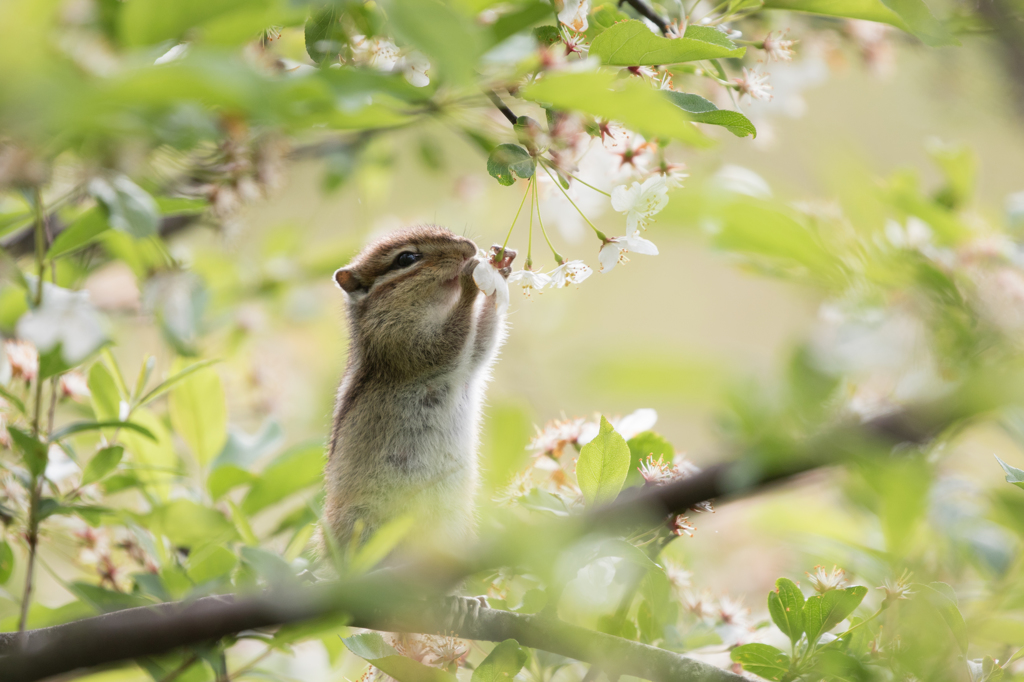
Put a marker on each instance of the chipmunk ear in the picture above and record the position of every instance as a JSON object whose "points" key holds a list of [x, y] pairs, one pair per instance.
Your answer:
{"points": [[347, 280]]}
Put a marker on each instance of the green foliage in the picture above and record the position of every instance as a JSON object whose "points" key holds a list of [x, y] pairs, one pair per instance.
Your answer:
{"points": [[198, 411], [1014, 475], [631, 43], [632, 102], [102, 463], [6, 561], [703, 111], [129, 208], [602, 466], [509, 159], [762, 659], [786, 606], [503, 663], [822, 612]]}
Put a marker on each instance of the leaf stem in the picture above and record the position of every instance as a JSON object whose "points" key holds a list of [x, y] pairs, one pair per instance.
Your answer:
{"points": [[600, 235]]}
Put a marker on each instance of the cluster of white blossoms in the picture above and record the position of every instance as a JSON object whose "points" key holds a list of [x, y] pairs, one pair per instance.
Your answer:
{"points": [[383, 55]]}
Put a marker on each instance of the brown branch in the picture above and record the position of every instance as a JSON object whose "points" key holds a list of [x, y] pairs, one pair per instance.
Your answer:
{"points": [[502, 107], [392, 600], [647, 13]]}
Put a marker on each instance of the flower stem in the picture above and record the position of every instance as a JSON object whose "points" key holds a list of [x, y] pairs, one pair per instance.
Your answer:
{"points": [[600, 235], [586, 184], [33, 508], [558, 257], [529, 238], [521, 204]]}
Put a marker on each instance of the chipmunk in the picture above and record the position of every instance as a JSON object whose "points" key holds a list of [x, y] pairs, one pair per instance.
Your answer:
{"points": [[423, 338]]}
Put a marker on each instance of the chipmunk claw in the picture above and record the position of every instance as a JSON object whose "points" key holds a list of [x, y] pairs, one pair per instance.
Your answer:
{"points": [[458, 612], [504, 266]]}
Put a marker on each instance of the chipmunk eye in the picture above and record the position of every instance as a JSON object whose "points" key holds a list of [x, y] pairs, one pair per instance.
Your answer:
{"points": [[406, 258]]}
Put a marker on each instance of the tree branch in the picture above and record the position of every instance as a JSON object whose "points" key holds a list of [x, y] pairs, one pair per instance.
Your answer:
{"points": [[147, 631], [392, 600], [508, 113], [647, 13]]}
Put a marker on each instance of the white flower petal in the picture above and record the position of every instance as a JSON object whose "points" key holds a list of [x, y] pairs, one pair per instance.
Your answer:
{"points": [[609, 255], [640, 245], [637, 422], [486, 277]]}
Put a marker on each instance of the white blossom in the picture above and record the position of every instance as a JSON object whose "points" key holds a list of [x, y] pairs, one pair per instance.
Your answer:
{"points": [[529, 280], [65, 318], [615, 249], [491, 282], [776, 48], [640, 201], [570, 272], [415, 67], [574, 14], [753, 85]]}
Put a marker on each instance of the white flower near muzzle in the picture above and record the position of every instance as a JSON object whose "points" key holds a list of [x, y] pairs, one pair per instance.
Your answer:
{"points": [[491, 282], [640, 201], [615, 249], [573, 13]]}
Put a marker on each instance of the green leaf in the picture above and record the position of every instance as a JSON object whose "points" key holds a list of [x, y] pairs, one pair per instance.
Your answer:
{"points": [[170, 382], [199, 413], [604, 17], [294, 470], [155, 460], [507, 159], [502, 664], [632, 43], [102, 463], [868, 10], [80, 427], [224, 478], [371, 647], [147, 22], [643, 445], [380, 545], [602, 466], [450, 39], [83, 231], [1013, 474], [6, 561], [105, 397], [943, 598], [922, 23], [627, 100], [822, 612], [762, 659], [34, 451], [703, 111], [191, 525], [129, 208], [325, 38], [786, 606]]}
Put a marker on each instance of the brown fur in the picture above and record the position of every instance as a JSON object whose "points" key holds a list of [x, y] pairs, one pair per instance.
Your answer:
{"points": [[422, 339]]}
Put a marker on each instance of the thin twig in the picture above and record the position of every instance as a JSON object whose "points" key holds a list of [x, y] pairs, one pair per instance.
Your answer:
{"points": [[647, 13], [508, 113]]}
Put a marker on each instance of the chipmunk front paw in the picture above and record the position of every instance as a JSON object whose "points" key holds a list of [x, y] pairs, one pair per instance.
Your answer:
{"points": [[504, 266]]}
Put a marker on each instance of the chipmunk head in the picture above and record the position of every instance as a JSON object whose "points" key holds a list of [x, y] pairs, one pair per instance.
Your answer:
{"points": [[401, 285]]}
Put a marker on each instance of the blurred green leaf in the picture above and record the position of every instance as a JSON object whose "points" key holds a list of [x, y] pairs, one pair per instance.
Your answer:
{"points": [[921, 22], [1014, 475], [371, 647], [634, 103], [506, 433], [33, 451], [381, 544], [603, 17], [450, 39], [82, 427], [155, 460], [198, 410], [632, 43], [102, 463], [104, 395], [943, 598], [507, 159], [268, 565], [147, 22], [293, 471], [224, 478], [602, 465], [786, 606], [6, 561], [502, 664], [129, 208], [171, 381], [325, 38], [822, 612], [82, 232], [189, 524], [703, 111], [868, 10], [761, 659]]}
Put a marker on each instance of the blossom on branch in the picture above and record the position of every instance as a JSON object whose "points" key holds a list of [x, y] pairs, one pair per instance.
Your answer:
{"points": [[776, 48], [529, 280], [753, 85], [490, 281], [573, 13], [640, 201], [570, 272], [615, 249]]}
